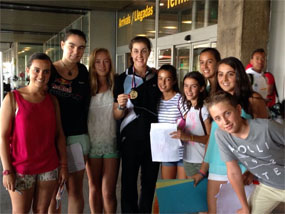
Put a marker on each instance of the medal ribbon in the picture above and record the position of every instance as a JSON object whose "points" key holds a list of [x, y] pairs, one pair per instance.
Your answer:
{"points": [[134, 85]]}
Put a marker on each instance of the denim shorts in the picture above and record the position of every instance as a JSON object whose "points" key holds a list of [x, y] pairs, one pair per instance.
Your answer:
{"points": [[175, 163], [24, 182]]}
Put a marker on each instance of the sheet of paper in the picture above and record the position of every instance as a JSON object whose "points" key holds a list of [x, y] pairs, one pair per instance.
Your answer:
{"points": [[227, 200], [75, 159], [163, 147]]}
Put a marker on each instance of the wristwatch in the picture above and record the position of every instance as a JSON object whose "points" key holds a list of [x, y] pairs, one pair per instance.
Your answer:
{"points": [[121, 108], [7, 172]]}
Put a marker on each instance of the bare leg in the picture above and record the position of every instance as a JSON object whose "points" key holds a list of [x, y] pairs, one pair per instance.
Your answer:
{"points": [[43, 195], [168, 172], [109, 183], [21, 203], [94, 172], [52, 207], [213, 189], [75, 192], [181, 174]]}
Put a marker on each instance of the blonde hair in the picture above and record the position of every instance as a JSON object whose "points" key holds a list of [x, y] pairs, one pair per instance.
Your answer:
{"points": [[94, 83]]}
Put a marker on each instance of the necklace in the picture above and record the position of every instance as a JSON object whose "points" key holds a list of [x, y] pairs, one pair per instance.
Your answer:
{"points": [[69, 71]]}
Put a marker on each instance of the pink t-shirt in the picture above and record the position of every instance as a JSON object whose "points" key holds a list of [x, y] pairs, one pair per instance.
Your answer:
{"points": [[32, 145]]}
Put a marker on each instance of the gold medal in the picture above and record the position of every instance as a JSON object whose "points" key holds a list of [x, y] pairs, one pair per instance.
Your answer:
{"points": [[133, 94]]}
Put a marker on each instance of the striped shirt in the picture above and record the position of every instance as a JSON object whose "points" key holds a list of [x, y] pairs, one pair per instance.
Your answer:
{"points": [[169, 111]]}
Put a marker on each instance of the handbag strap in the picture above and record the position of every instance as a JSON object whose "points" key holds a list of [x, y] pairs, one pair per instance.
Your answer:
{"points": [[275, 88], [12, 101], [200, 116], [202, 122], [13, 107], [276, 92], [178, 106]]}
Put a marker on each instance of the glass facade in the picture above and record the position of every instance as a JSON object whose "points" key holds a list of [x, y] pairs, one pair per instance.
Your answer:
{"points": [[15, 61], [138, 20], [196, 54], [174, 17], [182, 62], [52, 46], [24, 52], [8, 66], [164, 56], [184, 15]]}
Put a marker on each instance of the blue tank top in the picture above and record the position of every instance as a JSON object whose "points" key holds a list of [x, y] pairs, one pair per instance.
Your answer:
{"points": [[213, 156]]}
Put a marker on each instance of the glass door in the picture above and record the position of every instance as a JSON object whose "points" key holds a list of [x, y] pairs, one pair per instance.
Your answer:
{"points": [[197, 48], [185, 57], [164, 56], [182, 62]]}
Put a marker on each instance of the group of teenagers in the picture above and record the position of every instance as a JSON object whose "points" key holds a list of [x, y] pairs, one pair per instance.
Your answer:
{"points": [[107, 118]]}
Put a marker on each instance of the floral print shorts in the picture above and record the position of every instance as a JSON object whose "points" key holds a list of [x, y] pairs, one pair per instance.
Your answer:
{"points": [[24, 182]]}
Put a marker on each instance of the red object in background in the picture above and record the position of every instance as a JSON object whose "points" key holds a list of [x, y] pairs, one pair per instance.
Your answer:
{"points": [[248, 66], [22, 74]]}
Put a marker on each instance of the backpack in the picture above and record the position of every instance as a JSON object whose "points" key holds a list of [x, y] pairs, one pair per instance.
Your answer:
{"points": [[277, 110], [258, 84]]}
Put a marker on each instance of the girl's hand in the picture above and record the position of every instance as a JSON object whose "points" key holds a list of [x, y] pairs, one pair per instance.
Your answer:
{"points": [[197, 178], [122, 100], [9, 182], [243, 210], [63, 175], [179, 134], [247, 178]]}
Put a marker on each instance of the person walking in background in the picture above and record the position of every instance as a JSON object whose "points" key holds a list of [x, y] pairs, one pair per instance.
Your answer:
{"points": [[169, 111], [136, 96], [32, 142], [70, 84], [103, 162]]}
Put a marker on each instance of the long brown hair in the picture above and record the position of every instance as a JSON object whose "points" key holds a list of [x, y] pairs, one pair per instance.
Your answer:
{"points": [[94, 83], [243, 89], [202, 95]]}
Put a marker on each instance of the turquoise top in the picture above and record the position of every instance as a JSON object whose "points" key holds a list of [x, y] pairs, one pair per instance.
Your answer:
{"points": [[213, 157]]}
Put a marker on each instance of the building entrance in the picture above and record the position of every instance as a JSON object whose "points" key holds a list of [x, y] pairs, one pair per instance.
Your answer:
{"points": [[184, 57]]}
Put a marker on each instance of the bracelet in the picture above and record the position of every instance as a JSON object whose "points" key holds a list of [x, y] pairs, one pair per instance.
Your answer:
{"points": [[191, 137], [7, 172], [202, 173], [121, 108]]}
